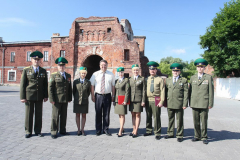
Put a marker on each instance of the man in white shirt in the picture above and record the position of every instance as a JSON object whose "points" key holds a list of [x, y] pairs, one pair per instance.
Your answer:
{"points": [[103, 83]]}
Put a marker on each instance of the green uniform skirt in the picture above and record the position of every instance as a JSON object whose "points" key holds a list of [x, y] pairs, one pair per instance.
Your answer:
{"points": [[135, 107], [120, 109]]}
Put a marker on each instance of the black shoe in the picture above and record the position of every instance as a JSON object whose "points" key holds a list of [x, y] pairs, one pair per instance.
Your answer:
{"points": [[195, 139], [53, 136], [39, 134], [167, 136], [28, 135], [98, 133], [134, 135], [119, 135], [130, 134], [157, 137], [205, 141], [79, 133], [179, 139], [64, 133], [147, 134], [83, 133], [107, 133]]}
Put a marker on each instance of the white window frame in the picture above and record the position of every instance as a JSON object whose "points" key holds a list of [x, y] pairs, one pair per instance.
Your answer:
{"points": [[15, 75], [45, 56], [48, 74], [28, 56], [11, 58], [64, 53]]}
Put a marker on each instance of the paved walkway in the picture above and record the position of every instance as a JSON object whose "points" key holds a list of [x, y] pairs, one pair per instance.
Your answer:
{"points": [[223, 132]]}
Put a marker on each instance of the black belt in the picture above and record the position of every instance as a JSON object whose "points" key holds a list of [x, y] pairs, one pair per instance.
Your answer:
{"points": [[103, 94]]}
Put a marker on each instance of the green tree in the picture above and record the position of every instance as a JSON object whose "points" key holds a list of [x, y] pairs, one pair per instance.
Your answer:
{"points": [[222, 40]]}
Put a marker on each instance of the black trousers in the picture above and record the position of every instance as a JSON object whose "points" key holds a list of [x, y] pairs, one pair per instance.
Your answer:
{"points": [[102, 108]]}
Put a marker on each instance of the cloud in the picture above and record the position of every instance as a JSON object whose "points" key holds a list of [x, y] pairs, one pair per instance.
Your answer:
{"points": [[15, 21], [178, 51]]}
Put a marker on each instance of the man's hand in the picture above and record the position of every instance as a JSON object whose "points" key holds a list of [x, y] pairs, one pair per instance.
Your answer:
{"points": [[143, 104], [23, 100], [93, 99], [184, 107], [159, 105], [209, 107], [113, 99], [45, 99], [69, 101], [53, 103], [124, 103], [114, 103]]}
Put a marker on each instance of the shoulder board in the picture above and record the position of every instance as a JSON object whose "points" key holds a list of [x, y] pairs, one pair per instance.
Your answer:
{"points": [[54, 72], [27, 67]]}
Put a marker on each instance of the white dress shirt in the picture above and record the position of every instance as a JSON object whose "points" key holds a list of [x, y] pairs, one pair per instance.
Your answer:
{"points": [[36, 68], [176, 78], [136, 77], [63, 73], [82, 80], [200, 75], [96, 80]]}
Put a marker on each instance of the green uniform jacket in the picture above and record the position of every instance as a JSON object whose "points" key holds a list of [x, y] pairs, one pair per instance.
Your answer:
{"points": [[201, 92], [81, 91], [59, 89], [177, 95], [33, 87], [122, 88], [159, 89], [138, 89]]}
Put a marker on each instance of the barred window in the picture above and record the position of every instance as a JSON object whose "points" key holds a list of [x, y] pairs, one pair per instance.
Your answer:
{"points": [[126, 54], [12, 57], [62, 53], [28, 56], [11, 75], [45, 56]]}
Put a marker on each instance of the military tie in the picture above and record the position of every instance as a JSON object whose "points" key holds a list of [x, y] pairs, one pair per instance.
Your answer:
{"points": [[152, 85], [103, 84], [36, 71], [174, 82], [199, 78], [63, 75]]}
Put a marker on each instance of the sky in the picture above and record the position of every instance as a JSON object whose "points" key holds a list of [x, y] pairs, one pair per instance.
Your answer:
{"points": [[172, 27]]}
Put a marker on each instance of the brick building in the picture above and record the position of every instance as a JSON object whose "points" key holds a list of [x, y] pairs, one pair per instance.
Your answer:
{"points": [[90, 40]]}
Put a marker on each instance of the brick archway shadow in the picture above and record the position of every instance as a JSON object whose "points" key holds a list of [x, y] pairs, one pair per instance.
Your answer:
{"points": [[92, 64]]}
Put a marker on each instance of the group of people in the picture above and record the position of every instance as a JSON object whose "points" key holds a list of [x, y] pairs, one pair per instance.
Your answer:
{"points": [[138, 92]]}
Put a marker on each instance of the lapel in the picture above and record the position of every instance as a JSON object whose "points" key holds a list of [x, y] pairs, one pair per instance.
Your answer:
{"points": [[85, 82], [60, 76], [202, 79]]}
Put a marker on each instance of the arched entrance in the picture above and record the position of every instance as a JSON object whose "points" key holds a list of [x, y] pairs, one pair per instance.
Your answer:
{"points": [[92, 64]]}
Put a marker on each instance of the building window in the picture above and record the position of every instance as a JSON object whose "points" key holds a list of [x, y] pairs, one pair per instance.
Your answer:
{"points": [[81, 31], [126, 54], [109, 30], [45, 56], [62, 53], [11, 75], [28, 56], [12, 56]]}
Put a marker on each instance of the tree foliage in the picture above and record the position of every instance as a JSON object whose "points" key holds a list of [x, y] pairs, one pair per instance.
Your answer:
{"points": [[188, 70], [222, 40]]}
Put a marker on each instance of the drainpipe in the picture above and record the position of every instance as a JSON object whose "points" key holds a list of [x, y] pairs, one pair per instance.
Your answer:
{"points": [[2, 60]]}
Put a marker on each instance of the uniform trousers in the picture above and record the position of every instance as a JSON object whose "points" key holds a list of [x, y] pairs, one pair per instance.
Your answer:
{"points": [[152, 110], [171, 122], [30, 106], [102, 108], [200, 115], [59, 110]]}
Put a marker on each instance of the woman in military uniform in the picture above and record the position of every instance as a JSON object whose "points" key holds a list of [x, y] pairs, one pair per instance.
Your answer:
{"points": [[137, 101], [122, 88], [81, 92]]}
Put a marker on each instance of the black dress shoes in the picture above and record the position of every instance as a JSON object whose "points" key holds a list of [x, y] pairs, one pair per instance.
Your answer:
{"points": [[134, 135], [53, 136], [157, 137], [167, 136], [64, 133], [195, 139], [130, 134], [179, 139], [83, 133], [107, 133], [28, 135], [119, 135], [98, 133], [39, 134], [205, 141], [79, 133], [147, 134]]}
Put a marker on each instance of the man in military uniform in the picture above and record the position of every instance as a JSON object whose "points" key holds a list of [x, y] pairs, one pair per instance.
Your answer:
{"points": [[201, 99], [33, 90], [60, 94], [155, 100], [177, 100]]}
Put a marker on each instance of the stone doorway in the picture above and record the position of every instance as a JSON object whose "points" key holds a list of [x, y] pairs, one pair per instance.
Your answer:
{"points": [[92, 64]]}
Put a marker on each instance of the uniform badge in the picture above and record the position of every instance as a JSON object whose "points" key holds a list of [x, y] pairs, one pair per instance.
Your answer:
{"points": [[205, 82], [69, 80]]}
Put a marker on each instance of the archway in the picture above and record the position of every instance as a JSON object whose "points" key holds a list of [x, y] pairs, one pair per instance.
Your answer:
{"points": [[92, 64]]}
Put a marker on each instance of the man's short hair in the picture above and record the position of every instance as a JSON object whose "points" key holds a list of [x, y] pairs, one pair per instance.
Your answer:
{"points": [[104, 61]]}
